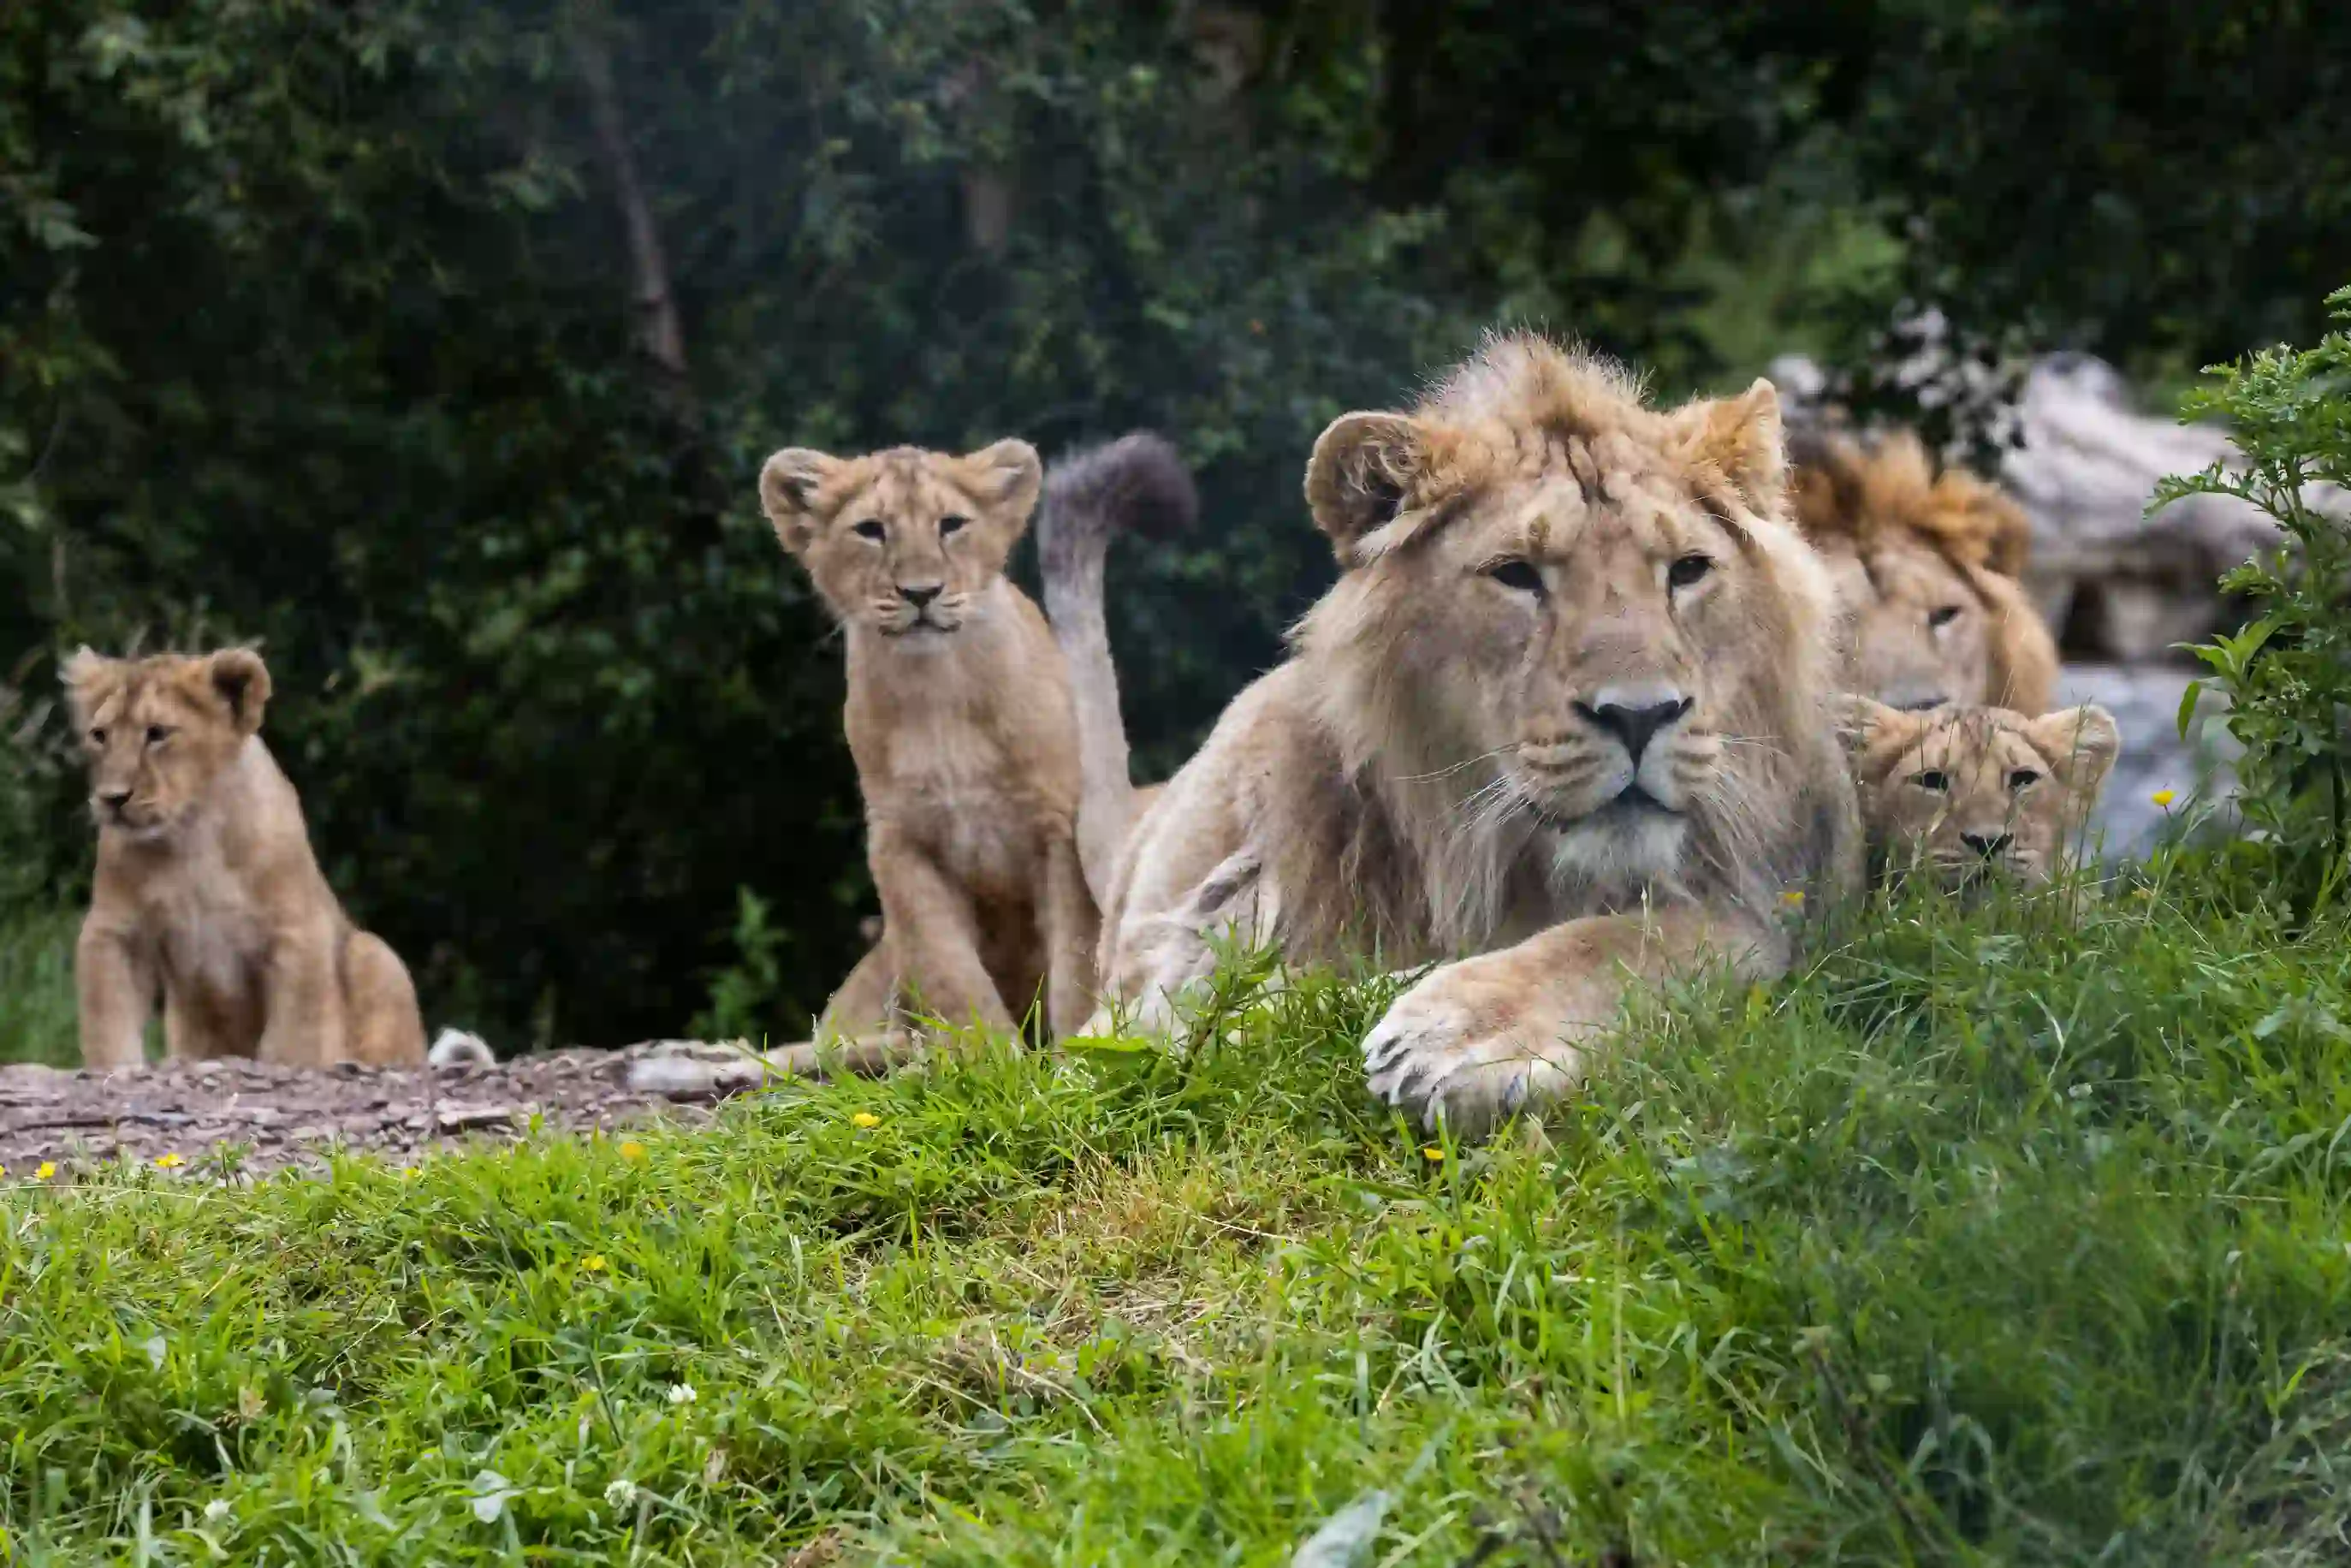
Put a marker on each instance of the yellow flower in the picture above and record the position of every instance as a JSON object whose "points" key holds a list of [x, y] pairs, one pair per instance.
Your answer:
{"points": [[46, 1170], [3, 1170], [169, 1162], [633, 1150], [2163, 797], [1793, 898], [865, 1119], [593, 1262], [1432, 1152]]}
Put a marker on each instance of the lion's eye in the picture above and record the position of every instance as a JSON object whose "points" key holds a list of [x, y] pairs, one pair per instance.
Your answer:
{"points": [[1519, 574], [2023, 778], [1688, 570], [157, 735], [868, 529], [1942, 615], [1934, 780], [97, 738], [952, 525]]}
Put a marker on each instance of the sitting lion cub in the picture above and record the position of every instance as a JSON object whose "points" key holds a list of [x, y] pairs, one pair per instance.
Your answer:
{"points": [[961, 723], [206, 882], [1964, 792]]}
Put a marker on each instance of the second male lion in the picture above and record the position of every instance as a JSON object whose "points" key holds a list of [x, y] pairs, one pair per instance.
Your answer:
{"points": [[206, 886], [961, 721], [1561, 722]]}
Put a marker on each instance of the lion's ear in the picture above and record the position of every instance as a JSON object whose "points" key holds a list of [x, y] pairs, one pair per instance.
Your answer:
{"points": [[89, 677], [242, 682], [789, 482], [1864, 724], [2081, 744], [1006, 476], [1363, 471], [1743, 438]]}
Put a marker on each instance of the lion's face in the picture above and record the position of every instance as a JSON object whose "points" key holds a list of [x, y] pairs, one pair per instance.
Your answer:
{"points": [[1965, 792], [904, 543], [1599, 631], [158, 731], [1921, 633]]}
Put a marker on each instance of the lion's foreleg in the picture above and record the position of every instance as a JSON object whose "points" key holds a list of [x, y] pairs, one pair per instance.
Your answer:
{"points": [[302, 999], [1071, 927], [936, 930], [115, 983], [1474, 1040]]}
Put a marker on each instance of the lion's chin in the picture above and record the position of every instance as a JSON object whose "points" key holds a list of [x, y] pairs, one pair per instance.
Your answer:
{"points": [[1626, 839]]}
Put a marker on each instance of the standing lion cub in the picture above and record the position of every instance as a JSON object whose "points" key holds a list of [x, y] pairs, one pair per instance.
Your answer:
{"points": [[962, 727], [206, 883]]}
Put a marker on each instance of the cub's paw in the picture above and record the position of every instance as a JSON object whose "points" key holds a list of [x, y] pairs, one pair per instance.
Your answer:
{"points": [[1470, 1044]]}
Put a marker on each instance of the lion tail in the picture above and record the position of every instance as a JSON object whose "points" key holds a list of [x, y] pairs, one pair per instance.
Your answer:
{"points": [[1137, 483]]}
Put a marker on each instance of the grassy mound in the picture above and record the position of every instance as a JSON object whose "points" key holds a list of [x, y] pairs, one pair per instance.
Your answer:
{"points": [[2012, 1234]]}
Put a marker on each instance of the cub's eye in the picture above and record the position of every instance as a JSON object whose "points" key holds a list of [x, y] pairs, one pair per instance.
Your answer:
{"points": [[868, 529], [1934, 780], [951, 525], [97, 738], [157, 735], [1687, 570], [1519, 574], [1942, 615], [2024, 778]]}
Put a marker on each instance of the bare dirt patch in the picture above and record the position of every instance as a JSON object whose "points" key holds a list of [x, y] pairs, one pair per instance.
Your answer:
{"points": [[272, 1117]]}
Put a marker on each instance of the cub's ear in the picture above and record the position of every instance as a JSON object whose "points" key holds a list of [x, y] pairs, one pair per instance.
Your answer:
{"points": [[1005, 476], [242, 682], [788, 483], [1864, 724], [1365, 468], [89, 678], [2081, 744], [1743, 438]]}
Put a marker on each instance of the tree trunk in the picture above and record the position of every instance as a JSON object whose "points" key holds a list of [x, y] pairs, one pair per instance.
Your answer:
{"points": [[659, 333]]}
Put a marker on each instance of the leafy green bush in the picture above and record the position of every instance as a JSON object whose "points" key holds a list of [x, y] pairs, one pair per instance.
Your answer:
{"points": [[2287, 673]]}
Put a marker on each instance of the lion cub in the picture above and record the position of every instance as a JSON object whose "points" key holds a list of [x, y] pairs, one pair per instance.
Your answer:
{"points": [[962, 725], [1967, 791], [206, 882]]}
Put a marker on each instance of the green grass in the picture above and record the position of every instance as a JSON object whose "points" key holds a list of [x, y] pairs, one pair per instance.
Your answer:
{"points": [[2012, 1236]]}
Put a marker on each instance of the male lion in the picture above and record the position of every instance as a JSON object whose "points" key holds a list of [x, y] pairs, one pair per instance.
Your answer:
{"points": [[1927, 567], [961, 721], [206, 882], [1563, 711], [1966, 792]]}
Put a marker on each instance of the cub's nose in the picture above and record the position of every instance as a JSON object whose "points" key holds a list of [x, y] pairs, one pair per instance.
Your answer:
{"points": [[1986, 844], [114, 799], [920, 597], [1633, 718]]}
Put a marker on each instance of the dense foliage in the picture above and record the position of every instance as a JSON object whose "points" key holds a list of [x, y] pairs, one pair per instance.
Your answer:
{"points": [[434, 344], [2287, 673]]}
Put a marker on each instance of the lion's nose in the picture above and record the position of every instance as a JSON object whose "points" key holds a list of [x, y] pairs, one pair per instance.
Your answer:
{"points": [[1633, 718], [920, 597], [1986, 844]]}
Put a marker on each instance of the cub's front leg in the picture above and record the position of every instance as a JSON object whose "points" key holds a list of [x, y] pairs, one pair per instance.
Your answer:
{"points": [[1072, 926], [115, 983], [931, 922], [302, 998], [1474, 1040]]}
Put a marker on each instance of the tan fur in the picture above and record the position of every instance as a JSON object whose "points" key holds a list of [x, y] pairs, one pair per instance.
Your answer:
{"points": [[206, 884], [962, 727], [1927, 567], [1433, 774], [1963, 791]]}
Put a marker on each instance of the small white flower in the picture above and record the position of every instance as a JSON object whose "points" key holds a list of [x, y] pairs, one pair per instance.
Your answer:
{"points": [[491, 1492], [216, 1510], [620, 1493], [681, 1393]]}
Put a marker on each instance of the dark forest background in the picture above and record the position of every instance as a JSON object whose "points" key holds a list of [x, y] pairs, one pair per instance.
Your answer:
{"points": [[436, 343]]}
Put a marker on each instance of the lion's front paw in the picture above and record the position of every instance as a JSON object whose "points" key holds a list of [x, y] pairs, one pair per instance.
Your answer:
{"points": [[1470, 1044]]}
